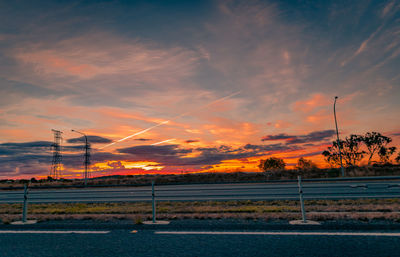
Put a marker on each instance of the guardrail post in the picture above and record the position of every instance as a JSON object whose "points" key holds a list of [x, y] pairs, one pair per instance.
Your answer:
{"points": [[153, 198], [25, 208], [303, 212]]}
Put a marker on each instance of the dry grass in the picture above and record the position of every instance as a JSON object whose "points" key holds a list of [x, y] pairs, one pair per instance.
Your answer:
{"points": [[362, 209], [363, 171]]}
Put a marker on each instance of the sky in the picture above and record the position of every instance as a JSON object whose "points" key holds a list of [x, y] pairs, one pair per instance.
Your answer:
{"points": [[192, 86]]}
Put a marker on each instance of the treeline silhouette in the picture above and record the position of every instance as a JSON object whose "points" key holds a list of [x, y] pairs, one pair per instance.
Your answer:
{"points": [[354, 149]]}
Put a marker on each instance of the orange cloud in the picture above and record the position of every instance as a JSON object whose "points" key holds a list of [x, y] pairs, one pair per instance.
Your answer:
{"points": [[121, 114], [316, 100], [227, 130], [108, 56], [280, 124], [320, 117], [53, 62]]}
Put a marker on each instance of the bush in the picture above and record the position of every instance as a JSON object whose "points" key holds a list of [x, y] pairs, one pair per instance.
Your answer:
{"points": [[272, 164], [304, 164]]}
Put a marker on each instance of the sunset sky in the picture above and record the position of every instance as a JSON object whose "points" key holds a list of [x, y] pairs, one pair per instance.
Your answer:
{"points": [[221, 84]]}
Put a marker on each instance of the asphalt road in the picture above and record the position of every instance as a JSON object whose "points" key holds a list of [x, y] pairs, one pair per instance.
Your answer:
{"points": [[153, 243], [200, 192]]}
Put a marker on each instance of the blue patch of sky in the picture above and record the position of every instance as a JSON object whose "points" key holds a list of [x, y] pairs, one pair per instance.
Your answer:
{"points": [[164, 22]]}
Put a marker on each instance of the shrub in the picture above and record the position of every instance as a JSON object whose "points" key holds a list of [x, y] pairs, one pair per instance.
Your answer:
{"points": [[272, 164], [304, 164]]}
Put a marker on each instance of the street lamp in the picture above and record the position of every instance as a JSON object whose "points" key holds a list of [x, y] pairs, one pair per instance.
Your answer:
{"points": [[87, 154], [337, 134]]}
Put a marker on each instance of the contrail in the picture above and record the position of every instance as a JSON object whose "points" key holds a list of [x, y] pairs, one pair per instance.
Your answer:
{"points": [[138, 133], [174, 118], [165, 141]]}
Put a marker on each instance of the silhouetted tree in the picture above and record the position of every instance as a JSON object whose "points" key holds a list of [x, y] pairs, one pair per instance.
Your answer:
{"points": [[332, 155], [385, 153], [374, 141], [271, 164], [34, 180], [350, 149], [304, 164], [398, 158]]}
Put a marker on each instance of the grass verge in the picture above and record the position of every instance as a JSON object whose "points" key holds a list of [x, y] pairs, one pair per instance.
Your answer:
{"points": [[361, 209]]}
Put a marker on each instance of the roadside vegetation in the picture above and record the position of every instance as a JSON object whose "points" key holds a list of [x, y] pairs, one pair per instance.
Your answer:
{"points": [[361, 209], [275, 174], [361, 155], [357, 148]]}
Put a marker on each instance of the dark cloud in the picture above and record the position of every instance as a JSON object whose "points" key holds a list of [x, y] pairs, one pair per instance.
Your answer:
{"points": [[191, 141], [277, 137], [22, 164], [319, 135], [27, 144], [273, 147], [172, 155], [142, 139], [315, 136], [36, 157], [91, 139], [155, 150], [25, 148]]}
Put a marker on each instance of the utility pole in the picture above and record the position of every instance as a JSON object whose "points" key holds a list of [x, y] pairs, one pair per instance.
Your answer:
{"points": [[153, 201], [56, 166], [25, 206], [303, 211], [87, 155], [337, 134]]}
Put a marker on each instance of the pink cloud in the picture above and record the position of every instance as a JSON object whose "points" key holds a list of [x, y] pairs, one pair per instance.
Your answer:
{"points": [[51, 62], [310, 104], [103, 55], [281, 124], [320, 117]]}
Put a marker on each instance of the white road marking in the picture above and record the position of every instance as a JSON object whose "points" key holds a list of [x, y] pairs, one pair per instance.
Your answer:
{"points": [[53, 232], [278, 233]]}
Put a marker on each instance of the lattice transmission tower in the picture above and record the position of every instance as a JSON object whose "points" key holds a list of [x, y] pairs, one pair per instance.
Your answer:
{"points": [[56, 166]]}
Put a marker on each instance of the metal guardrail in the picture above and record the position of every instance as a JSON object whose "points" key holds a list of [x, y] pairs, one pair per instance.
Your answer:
{"points": [[375, 178], [293, 190], [326, 189]]}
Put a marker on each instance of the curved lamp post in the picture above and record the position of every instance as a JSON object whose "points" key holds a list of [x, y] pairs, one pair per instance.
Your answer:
{"points": [[337, 134], [86, 154]]}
